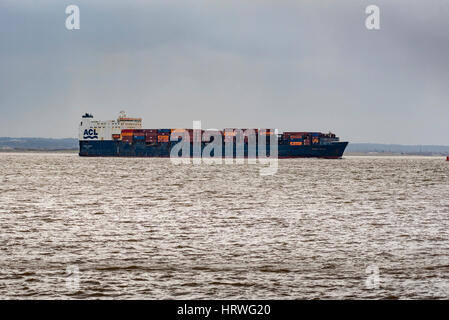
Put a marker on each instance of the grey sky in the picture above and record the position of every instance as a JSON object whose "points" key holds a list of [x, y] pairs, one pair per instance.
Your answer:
{"points": [[292, 65]]}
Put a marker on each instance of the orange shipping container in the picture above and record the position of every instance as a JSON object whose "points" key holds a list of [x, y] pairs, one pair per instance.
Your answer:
{"points": [[178, 130], [296, 143], [127, 133], [163, 138]]}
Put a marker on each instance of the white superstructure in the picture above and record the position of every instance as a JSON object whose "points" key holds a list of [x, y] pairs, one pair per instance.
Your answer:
{"points": [[91, 129]]}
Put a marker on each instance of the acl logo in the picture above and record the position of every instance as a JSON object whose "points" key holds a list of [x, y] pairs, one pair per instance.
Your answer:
{"points": [[90, 134]]}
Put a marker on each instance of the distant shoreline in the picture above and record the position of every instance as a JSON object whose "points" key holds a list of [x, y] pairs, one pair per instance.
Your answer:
{"points": [[39, 151], [389, 154], [346, 154]]}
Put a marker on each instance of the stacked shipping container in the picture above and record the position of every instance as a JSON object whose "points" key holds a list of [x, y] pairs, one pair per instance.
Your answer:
{"points": [[229, 135], [301, 138], [127, 135], [138, 135], [151, 135]]}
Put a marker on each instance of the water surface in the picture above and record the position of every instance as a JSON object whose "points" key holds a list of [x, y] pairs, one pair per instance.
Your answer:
{"points": [[133, 228]]}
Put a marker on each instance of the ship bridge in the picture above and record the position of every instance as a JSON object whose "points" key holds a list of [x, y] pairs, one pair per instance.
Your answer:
{"points": [[91, 129]]}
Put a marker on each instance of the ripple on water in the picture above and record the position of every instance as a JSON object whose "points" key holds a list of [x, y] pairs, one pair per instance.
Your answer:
{"points": [[143, 228]]}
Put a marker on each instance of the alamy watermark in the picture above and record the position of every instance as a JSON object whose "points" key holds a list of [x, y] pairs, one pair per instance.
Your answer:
{"points": [[231, 146], [373, 279], [372, 21], [72, 281], [72, 22]]}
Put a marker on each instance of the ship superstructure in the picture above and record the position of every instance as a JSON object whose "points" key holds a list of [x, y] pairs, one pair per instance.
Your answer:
{"points": [[91, 129]]}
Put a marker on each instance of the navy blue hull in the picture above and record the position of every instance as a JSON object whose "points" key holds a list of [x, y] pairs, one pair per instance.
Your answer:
{"points": [[111, 148]]}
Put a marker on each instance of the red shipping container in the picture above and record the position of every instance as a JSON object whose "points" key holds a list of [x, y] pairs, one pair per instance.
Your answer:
{"points": [[294, 135], [150, 132]]}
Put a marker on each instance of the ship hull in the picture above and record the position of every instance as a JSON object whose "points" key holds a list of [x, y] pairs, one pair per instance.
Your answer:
{"points": [[111, 148]]}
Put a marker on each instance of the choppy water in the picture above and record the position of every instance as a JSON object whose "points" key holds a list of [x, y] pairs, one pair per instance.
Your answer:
{"points": [[76, 227]]}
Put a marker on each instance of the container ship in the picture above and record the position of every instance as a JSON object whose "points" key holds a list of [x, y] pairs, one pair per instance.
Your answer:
{"points": [[125, 137]]}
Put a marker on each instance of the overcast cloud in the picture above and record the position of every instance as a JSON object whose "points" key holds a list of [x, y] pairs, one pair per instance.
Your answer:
{"points": [[292, 65]]}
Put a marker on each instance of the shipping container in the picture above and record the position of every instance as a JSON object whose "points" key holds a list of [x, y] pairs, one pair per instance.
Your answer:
{"points": [[127, 132], [164, 131], [163, 138], [267, 132], [115, 136], [295, 143], [294, 133], [128, 139], [177, 130], [229, 133], [150, 131]]}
